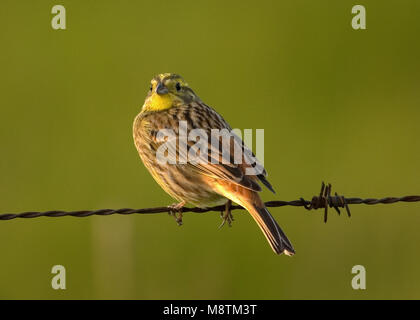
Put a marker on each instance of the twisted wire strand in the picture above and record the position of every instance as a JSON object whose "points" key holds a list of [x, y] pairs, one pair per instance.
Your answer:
{"points": [[322, 201]]}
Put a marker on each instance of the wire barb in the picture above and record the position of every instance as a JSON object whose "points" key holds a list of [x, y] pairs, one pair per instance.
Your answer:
{"points": [[323, 201]]}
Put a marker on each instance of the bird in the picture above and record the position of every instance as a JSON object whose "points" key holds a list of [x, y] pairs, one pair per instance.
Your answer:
{"points": [[220, 181]]}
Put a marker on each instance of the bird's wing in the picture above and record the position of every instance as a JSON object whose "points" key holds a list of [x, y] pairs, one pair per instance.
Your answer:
{"points": [[220, 154], [228, 159]]}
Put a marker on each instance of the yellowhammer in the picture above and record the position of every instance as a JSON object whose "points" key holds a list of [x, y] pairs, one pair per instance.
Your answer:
{"points": [[215, 179]]}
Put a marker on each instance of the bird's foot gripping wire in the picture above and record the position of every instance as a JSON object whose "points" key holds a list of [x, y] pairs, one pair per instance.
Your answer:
{"points": [[227, 215], [175, 210]]}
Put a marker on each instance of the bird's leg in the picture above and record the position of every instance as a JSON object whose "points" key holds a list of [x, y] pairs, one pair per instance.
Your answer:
{"points": [[177, 208], [227, 215]]}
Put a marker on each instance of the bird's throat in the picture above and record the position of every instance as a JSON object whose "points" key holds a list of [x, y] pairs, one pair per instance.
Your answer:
{"points": [[158, 102]]}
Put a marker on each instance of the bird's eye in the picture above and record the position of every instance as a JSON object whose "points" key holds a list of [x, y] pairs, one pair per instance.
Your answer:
{"points": [[151, 87], [178, 86]]}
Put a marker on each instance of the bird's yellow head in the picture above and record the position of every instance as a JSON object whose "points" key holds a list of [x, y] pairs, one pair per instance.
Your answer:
{"points": [[168, 90]]}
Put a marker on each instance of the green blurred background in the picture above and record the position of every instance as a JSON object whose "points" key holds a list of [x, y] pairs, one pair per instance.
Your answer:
{"points": [[336, 104]]}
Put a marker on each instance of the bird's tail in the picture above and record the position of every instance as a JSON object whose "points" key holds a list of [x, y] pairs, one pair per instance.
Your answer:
{"points": [[272, 231], [250, 200]]}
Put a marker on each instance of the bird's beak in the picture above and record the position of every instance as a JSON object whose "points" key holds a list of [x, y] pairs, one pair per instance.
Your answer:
{"points": [[161, 89]]}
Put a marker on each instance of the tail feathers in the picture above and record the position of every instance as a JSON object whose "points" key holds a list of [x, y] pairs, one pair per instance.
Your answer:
{"points": [[272, 231]]}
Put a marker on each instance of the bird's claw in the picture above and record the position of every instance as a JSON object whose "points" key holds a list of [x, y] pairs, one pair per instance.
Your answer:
{"points": [[227, 215], [175, 210]]}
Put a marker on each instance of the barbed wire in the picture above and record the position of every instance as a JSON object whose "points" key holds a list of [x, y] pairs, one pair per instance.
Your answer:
{"points": [[323, 200]]}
